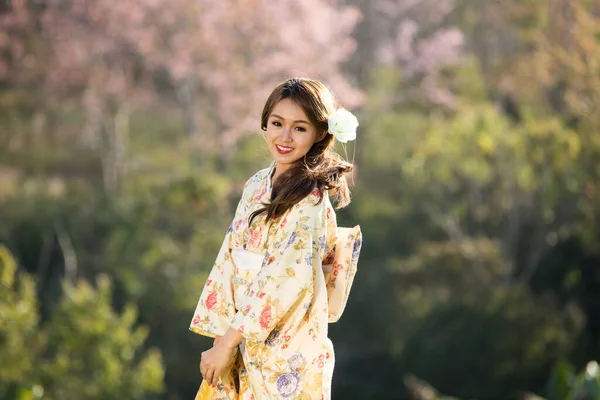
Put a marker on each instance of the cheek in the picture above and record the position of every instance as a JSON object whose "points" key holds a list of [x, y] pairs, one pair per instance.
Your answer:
{"points": [[306, 145], [270, 135], [308, 141]]}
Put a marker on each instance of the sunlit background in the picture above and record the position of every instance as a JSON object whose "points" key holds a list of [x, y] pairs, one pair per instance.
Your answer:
{"points": [[128, 128]]}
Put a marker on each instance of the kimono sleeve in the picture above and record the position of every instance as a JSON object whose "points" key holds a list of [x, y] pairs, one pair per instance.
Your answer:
{"points": [[286, 277], [339, 280], [216, 307]]}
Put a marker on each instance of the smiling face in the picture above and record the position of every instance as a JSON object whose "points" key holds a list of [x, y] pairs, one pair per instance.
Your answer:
{"points": [[290, 134]]}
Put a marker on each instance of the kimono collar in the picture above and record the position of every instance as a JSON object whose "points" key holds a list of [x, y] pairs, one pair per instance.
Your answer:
{"points": [[270, 175]]}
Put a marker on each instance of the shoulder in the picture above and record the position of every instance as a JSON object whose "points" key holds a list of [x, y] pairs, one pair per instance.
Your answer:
{"points": [[257, 178], [311, 211], [255, 181]]}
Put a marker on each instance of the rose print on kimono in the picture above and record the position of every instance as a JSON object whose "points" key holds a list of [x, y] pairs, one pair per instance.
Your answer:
{"points": [[265, 317], [296, 362], [211, 301], [288, 384]]}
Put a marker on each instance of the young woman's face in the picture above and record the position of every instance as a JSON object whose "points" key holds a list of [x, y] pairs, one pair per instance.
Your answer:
{"points": [[290, 134]]}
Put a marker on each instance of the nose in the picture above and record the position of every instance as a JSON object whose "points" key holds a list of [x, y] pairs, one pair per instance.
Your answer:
{"points": [[286, 135]]}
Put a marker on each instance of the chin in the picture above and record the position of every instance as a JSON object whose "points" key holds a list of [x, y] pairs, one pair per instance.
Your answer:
{"points": [[285, 159]]}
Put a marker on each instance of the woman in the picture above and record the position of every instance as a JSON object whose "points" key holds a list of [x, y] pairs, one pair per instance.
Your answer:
{"points": [[273, 290]]}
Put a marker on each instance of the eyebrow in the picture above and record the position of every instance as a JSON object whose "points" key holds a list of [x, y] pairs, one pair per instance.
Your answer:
{"points": [[297, 121]]}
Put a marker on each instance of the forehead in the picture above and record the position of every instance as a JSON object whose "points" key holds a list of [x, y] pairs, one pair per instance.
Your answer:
{"points": [[288, 109]]}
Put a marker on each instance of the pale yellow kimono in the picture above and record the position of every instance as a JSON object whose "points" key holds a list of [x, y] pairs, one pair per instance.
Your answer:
{"points": [[269, 282]]}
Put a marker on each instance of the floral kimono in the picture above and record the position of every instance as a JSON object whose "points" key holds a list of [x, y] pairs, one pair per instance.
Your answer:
{"points": [[279, 285]]}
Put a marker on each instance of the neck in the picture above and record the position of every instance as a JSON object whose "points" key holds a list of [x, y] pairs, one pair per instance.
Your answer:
{"points": [[279, 169]]}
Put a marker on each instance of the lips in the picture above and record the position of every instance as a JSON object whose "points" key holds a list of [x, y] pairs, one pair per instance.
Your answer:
{"points": [[283, 149]]}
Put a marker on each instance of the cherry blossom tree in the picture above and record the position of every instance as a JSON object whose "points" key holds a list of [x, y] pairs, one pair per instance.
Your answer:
{"points": [[217, 59], [416, 36]]}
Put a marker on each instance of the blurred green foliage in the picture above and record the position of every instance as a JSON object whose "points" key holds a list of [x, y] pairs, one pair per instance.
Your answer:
{"points": [[85, 350], [564, 384]]}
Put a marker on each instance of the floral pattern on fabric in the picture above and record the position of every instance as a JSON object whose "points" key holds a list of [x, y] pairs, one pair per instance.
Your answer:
{"points": [[268, 283]]}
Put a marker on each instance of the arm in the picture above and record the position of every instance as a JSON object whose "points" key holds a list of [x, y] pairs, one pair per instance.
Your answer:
{"points": [[339, 280], [216, 307]]}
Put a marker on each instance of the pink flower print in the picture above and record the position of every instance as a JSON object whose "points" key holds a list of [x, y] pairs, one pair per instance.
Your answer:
{"points": [[260, 194], [337, 268], [254, 237], [208, 282], [265, 317], [238, 224], [211, 300], [196, 319]]}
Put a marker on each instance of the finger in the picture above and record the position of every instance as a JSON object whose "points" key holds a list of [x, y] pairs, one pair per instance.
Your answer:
{"points": [[209, 376], [216, 376], [202, 362]]}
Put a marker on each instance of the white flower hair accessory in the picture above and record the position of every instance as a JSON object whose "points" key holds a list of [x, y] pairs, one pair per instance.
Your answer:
{"points": [[342, 124]]}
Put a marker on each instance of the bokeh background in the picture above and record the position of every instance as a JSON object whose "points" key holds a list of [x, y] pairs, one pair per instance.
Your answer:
{"points": [[128, 128]]}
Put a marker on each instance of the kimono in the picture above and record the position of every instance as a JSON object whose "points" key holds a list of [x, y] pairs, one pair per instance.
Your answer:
{"points": [[279, 285]]}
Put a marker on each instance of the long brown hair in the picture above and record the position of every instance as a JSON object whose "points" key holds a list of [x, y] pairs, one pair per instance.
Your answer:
{"points": [[321, 169]]}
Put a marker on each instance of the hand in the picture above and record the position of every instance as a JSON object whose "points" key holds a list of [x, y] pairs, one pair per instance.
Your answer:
{"points": [[217, 339], [214, 361]]}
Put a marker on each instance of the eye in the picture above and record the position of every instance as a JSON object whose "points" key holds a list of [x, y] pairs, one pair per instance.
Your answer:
{"points": [[276, 123], [301, 128]]}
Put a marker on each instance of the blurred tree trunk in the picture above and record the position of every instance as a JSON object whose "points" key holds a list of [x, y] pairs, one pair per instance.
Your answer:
{"points": [[114, 130]]}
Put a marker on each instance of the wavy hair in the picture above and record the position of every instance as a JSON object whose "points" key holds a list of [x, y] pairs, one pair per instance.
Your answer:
{"points": [[321, 169]]}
